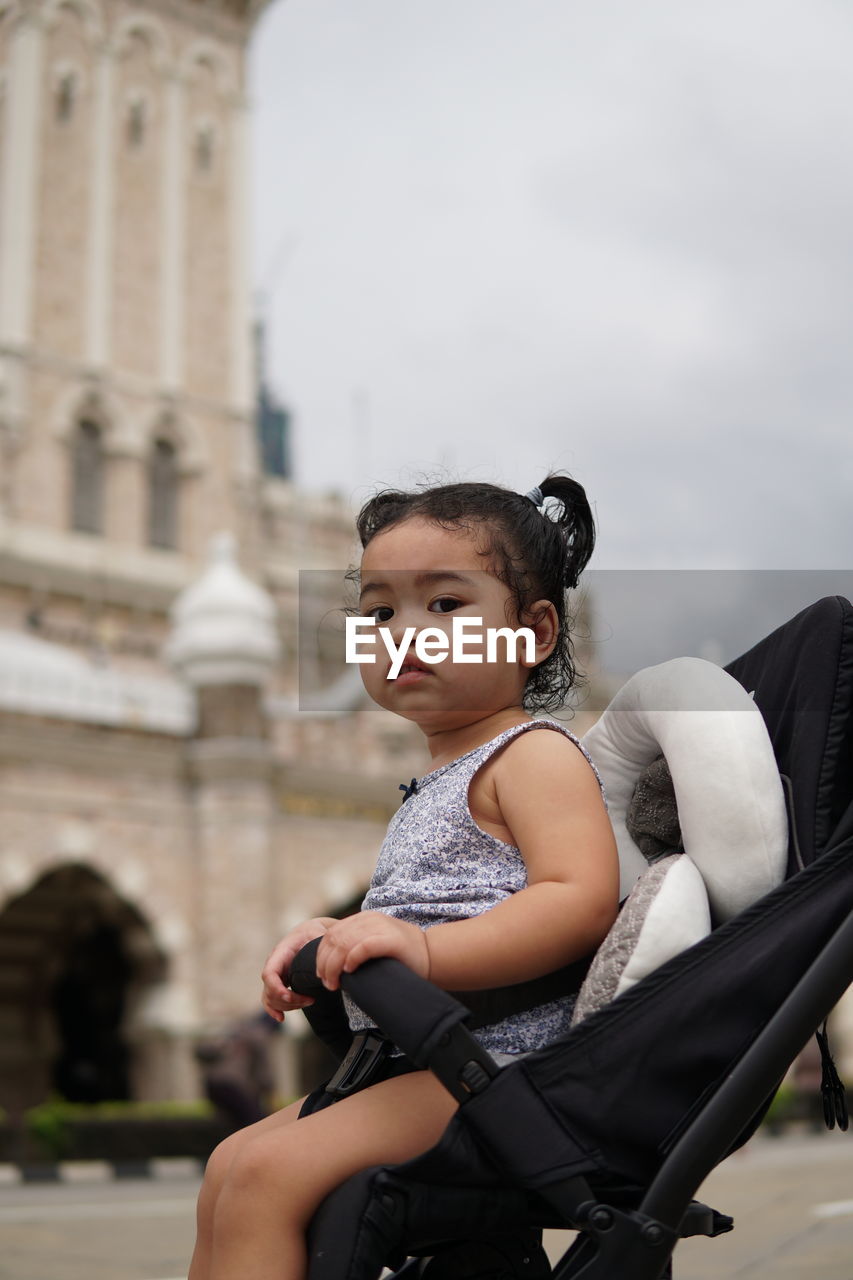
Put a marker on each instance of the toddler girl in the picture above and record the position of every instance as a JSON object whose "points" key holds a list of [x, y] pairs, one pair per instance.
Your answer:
{"points": [[499, 867]]}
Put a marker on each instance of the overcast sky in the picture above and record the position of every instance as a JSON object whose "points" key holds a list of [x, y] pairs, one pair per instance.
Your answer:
{"points": [[495, 237]]}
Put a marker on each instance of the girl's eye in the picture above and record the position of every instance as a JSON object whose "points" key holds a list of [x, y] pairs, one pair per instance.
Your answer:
{"points": [[445, 604], [381, 612]]}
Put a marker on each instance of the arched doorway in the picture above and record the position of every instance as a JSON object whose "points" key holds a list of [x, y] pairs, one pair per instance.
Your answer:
{"points": [[74, 959]]}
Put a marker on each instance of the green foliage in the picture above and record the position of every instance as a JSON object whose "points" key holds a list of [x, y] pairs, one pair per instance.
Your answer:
{"points": [[782, 1106], [48, 1123], [51, 1122]]}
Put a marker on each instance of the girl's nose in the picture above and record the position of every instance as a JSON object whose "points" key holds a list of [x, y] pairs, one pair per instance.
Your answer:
{"points": [[398, 624], [396, 629]]}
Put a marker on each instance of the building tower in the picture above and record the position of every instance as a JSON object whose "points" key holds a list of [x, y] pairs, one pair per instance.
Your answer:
{"points": [[156, 829], [126, 396], [127, 439]]}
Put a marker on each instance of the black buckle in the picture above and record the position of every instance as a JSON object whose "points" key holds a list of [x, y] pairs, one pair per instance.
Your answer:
{"points": [[365, 1056]]}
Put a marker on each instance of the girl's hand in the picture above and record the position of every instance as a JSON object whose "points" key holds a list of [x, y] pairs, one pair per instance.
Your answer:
{"points": [[277, 998], [348, 943]]}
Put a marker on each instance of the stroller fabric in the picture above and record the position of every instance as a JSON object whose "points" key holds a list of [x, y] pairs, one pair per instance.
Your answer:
{"points": [[666, 912], [801, 677], [615, 1094]]}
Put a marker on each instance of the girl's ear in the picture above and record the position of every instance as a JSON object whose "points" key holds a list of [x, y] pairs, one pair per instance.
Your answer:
{"points": [[542, 619]]}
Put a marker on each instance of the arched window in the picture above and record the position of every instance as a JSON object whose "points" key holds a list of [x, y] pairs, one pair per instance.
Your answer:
{"points": [[204, 148], [87, 478], [65, 97], [137, 120], [163, 496]]}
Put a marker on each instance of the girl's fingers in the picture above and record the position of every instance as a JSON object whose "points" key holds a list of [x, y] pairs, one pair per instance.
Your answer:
{"points": [[279, 1006], [330, 958], [276, 994], [295, 1000], [341, 954], [333, 958], [273, 982], [279, 960], [365, 949], [272, 1011], [277, 997]]}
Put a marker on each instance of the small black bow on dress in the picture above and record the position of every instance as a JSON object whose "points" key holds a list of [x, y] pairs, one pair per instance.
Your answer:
{"points": [[410, 789]]}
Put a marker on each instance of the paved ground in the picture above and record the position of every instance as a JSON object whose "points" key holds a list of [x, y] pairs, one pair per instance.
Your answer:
{"points": [[134, 1230], [792, 1200]]}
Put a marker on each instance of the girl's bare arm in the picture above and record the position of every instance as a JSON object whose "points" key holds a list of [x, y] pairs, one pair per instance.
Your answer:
{"points": [[549, 800]]}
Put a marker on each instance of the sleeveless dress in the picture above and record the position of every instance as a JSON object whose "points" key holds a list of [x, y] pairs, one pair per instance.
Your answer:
{"points": [[436, 865]]}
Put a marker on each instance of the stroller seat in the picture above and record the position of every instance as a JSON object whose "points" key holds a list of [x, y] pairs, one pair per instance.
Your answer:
{"points": [[611, 1129]]}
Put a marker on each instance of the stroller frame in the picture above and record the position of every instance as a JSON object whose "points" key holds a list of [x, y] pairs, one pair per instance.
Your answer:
{"points": [[534, 1156]]}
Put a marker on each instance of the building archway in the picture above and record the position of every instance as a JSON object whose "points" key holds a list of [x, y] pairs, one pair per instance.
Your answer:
{"points": [[75, 958]]}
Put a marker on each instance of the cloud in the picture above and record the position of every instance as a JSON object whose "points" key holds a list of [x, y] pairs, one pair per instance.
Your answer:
{"points": [[614, 238]]}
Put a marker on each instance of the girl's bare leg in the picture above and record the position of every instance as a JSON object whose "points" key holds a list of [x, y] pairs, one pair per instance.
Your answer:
{"points": [[214, 1178], [278, 1176]]}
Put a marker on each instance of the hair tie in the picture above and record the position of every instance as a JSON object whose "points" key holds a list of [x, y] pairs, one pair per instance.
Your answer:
{"points": [[536, 496]]}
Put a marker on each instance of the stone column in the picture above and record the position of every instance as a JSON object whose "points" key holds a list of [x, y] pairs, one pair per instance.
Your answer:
{"points": [[224, 641], [21, 150], [234, 815], [126, 515], [242, 391], [100, 247], [172, 238]]}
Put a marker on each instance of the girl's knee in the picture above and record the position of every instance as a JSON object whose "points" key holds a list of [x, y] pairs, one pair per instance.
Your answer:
{"points": [[255, 1197], [275, 1170], [220, 1158], [255, 1163], [217, 1169]]}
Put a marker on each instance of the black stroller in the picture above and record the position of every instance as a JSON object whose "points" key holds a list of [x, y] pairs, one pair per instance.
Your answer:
{"points": [[611, 1130]]}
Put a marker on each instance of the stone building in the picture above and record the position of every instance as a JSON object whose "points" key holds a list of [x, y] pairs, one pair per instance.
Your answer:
{"points": [[160, 823]]}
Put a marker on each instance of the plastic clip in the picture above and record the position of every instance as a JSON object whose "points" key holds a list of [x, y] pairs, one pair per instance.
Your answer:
{"points": [[365, 1056]]}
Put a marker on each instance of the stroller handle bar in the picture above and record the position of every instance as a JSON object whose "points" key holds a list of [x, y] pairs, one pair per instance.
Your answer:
{"points": [[410, 1011], [425, 1022]]}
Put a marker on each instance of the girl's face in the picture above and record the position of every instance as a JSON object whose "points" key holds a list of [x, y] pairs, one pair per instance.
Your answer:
{"points": [[415, 575]]}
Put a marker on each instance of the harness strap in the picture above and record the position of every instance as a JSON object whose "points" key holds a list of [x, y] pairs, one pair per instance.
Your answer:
{"points": [[497, 1003], [831, 1085]]}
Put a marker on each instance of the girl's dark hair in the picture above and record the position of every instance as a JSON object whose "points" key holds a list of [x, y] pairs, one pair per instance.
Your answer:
{"points": [[537, 553]]}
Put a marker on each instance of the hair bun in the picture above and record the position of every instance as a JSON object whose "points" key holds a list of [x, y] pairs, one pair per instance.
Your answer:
{"points": [[574, 520]]}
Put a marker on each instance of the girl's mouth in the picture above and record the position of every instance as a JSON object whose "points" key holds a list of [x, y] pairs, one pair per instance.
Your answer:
{"points": [[411, 673]]}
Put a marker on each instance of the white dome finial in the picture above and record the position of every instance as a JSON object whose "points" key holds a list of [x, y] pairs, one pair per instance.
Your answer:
{"points": [[223, 624], [222, 547]]}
